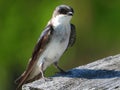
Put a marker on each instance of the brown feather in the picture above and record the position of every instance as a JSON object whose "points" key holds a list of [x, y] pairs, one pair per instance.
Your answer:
{"points": [[39, 48]]}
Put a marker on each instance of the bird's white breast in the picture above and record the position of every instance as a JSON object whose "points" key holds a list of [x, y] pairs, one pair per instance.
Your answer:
{"points": [[57, 45]]}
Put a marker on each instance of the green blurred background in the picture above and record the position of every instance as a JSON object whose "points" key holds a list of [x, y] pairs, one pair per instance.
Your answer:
{"points": [[21, 22]]}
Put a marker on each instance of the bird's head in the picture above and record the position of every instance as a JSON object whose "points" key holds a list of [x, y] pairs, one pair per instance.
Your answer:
{"points": [[63, 13]]}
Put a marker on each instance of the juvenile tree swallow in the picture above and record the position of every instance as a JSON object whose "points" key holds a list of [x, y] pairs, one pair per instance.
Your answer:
{"points": [[58, 35]]}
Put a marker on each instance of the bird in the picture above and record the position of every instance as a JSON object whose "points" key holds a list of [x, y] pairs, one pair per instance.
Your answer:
{"points": [[58, 35]]}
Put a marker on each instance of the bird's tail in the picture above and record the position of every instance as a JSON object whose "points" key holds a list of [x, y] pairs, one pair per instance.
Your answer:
{"points": [[23, 79], [20, 81]]}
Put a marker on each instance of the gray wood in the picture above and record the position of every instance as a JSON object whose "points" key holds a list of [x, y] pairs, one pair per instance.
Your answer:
{"points": [[103, 74]]}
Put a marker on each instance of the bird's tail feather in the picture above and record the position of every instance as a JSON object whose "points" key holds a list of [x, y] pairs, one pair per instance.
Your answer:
{"points": [[23, 79], [19, 79]]}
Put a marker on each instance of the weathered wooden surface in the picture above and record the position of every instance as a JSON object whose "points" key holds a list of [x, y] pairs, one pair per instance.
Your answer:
{"points": [[103, 74]]}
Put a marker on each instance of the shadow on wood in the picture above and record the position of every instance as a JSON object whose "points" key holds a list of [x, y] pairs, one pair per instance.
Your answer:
{"points": [[90, 74]]}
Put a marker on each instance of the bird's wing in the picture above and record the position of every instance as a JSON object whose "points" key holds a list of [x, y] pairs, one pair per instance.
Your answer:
{"points": [[72, 36], [39, 48]]}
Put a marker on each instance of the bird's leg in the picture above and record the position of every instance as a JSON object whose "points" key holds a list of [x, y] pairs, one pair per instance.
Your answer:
{"points": [[42, 74], [60, 69], [41, 70]]}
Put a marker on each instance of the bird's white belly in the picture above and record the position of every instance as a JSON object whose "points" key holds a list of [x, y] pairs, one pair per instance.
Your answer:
{"points": [[52, 53], [54, 50]]}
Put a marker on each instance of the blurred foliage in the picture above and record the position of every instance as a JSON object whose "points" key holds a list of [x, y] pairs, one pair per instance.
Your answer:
{"points": [[21, 22]]}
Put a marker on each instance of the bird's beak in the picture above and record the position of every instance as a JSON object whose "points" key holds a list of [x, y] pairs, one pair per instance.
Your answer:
{"points": [[70, 13]]}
